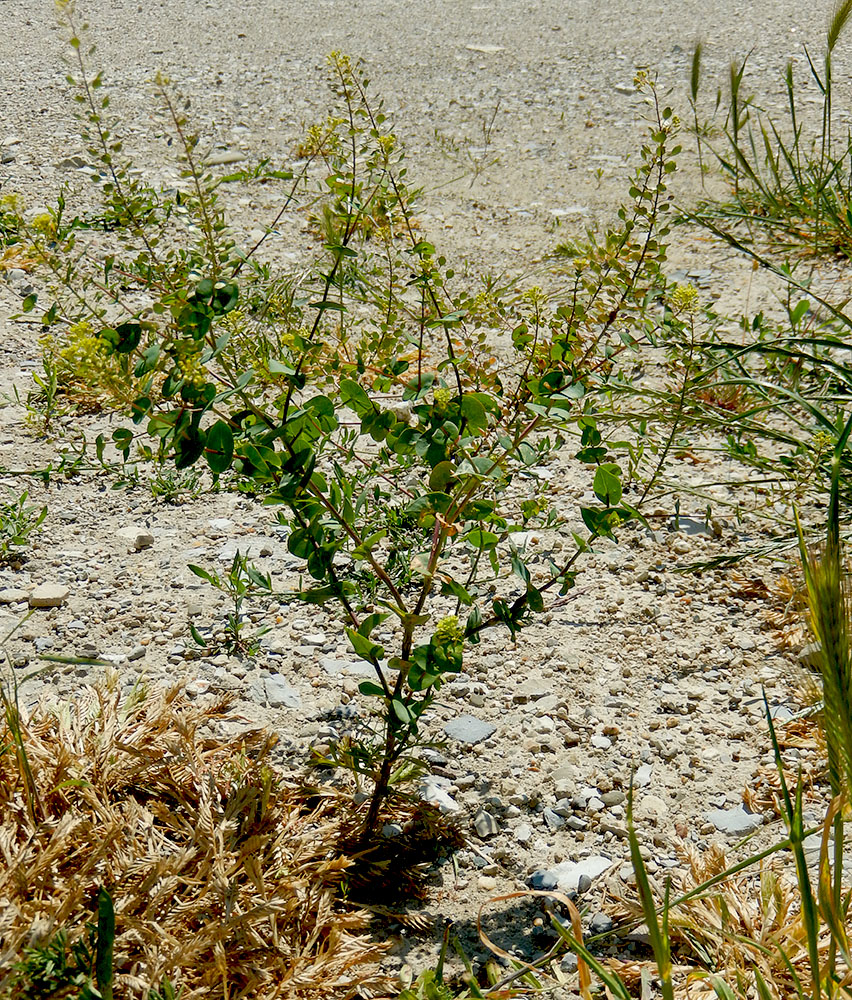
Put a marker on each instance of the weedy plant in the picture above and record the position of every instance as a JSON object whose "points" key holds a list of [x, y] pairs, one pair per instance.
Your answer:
{"points": [[77, 970], [379, 399], [19, 520], [242, 582], [791, 180], [174, 486]]}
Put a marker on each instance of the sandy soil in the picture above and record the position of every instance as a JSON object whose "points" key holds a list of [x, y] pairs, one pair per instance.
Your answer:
{"points": [[641, 666]]}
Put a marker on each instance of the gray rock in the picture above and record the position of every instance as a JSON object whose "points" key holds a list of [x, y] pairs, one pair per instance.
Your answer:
{"points": [[810, 656], [13, 595], [137, 653], [430, 791], [469, 729], [553, 820], [689, 526], [523, 833], [613, 798], [280, 694], [600, 923], [137, 538], [530, 690], [601, 742], [737, 821], [224, 158], [569, 963], [642, 777], [253, 548], [577, 876], [485, 824], [781, 713], [543, 879]]}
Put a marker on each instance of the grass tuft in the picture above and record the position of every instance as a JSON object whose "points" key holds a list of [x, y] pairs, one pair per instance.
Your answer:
{"points": [[226, 878]]}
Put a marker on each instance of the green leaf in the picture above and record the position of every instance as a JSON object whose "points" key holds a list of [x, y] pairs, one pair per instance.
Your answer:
{"points": [[474, 412], [481, 539], [401, 711], [607, 484], [325, 304], [279, 368], [353, 396], [127, 337], [219, 448], [442, 476], [519, 567], [534, 599], [106, 939], [369, 651], [29, 303], [189, 446], [203, 574], [371, 690], [450, 588]]}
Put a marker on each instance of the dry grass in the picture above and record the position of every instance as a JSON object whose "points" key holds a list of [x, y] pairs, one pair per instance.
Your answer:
{"points": [[224, 879], [749, 921]]}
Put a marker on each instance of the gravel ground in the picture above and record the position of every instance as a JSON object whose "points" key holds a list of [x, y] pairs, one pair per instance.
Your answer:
{"points": [[640, 667]]}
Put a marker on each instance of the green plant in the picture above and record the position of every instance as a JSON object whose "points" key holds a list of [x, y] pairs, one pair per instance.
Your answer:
{"points": [[18, 521], [174, 485], [58, 968], [243, 581], [792, 189], [376, 413]]}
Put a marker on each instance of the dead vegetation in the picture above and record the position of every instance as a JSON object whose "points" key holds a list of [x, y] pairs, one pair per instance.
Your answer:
{"points": [[226, 878]]}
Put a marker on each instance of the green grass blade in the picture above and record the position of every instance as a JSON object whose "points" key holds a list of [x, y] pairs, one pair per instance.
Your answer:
{"points": [[606, 976], [106, 939], [760, 986], [795, 825], [721, 988], [657, 932]]}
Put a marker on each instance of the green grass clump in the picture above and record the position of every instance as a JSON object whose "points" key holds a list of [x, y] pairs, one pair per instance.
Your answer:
{"points": [[791, 181]]}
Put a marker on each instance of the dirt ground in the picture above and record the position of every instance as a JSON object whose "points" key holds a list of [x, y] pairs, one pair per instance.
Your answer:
{"points": [[641, 667]]}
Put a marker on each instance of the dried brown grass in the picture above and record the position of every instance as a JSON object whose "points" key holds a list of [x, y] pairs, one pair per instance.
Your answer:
{"points": [[749, 921], [224, 879]]}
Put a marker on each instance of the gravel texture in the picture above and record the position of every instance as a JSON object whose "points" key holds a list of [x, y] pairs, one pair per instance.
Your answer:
{"points": [[639, 667]]}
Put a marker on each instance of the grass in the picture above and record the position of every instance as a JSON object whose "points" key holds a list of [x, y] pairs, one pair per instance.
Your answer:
{"points": [[227, 880], [791, 179], [147, 852]]}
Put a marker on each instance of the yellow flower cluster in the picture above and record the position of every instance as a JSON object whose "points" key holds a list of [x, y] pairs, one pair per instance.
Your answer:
{"points": [[321, 138], [447, 630], [13, 203], [387, 144], [44, 223], [188, 363], [442, 397], [85, 357], [684, 299]]}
